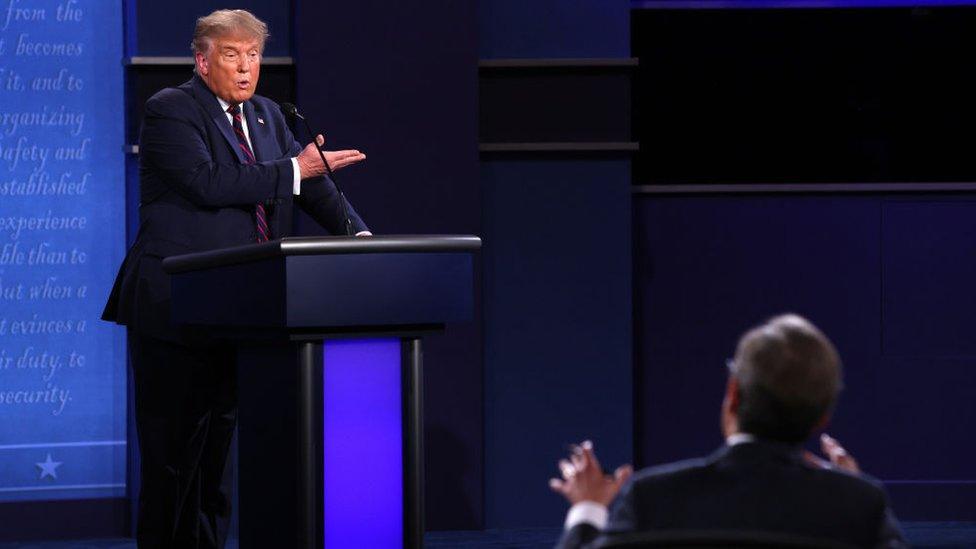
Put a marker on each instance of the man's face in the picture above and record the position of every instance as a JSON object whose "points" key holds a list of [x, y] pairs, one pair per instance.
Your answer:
{"points": [[231, 68]]}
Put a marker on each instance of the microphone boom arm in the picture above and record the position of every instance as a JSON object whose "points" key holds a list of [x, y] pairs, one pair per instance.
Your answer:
{"points": [[292, 110]]}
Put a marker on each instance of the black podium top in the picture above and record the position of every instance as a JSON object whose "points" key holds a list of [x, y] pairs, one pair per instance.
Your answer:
{"points": [[327, 283], [321, 246]]}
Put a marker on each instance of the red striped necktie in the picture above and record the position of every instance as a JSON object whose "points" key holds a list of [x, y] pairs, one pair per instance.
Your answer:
{"points": [[260, 215]]}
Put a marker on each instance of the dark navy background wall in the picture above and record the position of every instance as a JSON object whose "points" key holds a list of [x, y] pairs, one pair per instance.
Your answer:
{"points": [[886, 276], [398, 80], [166, 28], [709, 267], [557, 227], [557, 326], [553, 29]]}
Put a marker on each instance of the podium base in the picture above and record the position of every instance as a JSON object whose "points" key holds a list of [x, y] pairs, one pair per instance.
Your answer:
{"points": [[331, 443]]}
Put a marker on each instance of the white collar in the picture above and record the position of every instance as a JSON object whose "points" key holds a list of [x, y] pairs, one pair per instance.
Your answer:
{"points": [[739, 438], [225, 105]]}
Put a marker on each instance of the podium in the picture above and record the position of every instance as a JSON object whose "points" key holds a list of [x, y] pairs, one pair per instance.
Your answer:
{"points": [[330, 384]]}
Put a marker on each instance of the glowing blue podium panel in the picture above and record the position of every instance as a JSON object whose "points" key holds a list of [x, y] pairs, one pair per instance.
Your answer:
{"points": [[62, 231], [362, 480]]}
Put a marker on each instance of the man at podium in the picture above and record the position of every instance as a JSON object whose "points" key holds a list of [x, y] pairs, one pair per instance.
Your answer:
{"points": [[218, 167]]}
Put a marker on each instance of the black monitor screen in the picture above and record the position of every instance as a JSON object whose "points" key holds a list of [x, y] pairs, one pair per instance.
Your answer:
{"points": [[805, 95]]}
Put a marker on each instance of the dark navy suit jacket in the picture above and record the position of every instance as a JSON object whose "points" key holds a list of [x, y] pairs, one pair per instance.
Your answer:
{"points": [[197, 193], [750, 487]]}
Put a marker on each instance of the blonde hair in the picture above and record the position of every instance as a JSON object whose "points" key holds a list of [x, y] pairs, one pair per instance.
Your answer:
{"points": [[227, 23]]}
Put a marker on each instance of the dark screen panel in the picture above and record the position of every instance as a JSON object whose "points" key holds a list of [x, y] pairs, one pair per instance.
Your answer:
{"points": [[583, 104], [814, 95]]}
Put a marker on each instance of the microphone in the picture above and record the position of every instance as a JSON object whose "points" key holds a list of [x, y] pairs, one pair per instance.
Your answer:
{"points": [[292, 111]]}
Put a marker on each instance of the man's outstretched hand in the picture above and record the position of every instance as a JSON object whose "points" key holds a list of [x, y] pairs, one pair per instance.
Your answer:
{"points": [[584, 480], [837, 455], [310, 163]]}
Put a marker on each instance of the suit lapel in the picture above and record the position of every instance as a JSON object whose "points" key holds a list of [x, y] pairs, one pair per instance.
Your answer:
{"points": [[208, 101]]}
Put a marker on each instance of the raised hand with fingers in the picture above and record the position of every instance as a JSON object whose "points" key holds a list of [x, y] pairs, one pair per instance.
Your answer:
{"points": [[583, 478], [340, 159], [310, 162], [837, 455]]}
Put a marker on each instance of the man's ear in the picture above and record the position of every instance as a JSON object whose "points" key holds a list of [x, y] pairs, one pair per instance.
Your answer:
{"points": [[730, 407], [202, 66], [732, 393]]}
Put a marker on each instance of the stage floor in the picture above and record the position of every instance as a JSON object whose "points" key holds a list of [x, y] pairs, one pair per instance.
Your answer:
{"points": [[920, 534]]}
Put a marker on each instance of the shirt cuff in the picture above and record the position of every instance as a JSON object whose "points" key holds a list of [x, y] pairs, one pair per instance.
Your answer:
{"points": [[364, 233], [589, 512], [296, 178]]}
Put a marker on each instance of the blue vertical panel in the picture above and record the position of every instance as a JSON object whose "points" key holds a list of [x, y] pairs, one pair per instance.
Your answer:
{"points": [[553, 28], [363, 444], [928, 349], [62, 231], [557, 279], [557, 327], [399, 80]]}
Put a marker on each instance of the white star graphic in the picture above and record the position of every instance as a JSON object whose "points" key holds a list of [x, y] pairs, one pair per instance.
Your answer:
{"points": [[49, 467]]}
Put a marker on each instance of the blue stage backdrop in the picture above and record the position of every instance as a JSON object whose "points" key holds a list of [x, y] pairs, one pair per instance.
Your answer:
{"points": [[62, 226]]}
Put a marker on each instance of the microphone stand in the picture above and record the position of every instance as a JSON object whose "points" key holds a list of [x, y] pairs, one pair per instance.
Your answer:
{"points": [[290, 109]]}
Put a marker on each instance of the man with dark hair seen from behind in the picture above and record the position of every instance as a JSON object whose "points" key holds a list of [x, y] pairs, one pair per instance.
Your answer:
{"points": [[782, 387], [218, 167]]}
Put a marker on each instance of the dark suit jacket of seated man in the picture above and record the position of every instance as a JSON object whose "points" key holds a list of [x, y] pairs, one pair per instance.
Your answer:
{"points": [[218, 167], [782, 386]]}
